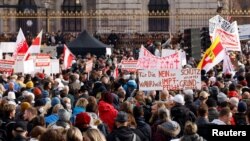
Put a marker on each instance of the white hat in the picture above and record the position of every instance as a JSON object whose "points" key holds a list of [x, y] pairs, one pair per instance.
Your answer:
{"points": [[179, 99], [188, 91], [11, 95], [234, 101]]}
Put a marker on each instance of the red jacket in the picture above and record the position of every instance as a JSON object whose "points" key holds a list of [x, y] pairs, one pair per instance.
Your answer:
{"points": [[107, 113]]}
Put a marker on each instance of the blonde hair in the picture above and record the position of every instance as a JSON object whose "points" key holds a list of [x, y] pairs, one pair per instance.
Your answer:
{"points": [[190, 128], [94, 135], [82, 102], [74, 134]]}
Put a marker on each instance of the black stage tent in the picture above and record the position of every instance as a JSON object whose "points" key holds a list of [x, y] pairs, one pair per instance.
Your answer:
{"points": [[84, 44]]}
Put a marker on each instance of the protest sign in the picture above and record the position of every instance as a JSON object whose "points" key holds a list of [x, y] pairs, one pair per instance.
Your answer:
{"points": [[129, 65], [89, 66], [230, 41], [54, 66], [149, 61], [189, 78], [6, 66]]}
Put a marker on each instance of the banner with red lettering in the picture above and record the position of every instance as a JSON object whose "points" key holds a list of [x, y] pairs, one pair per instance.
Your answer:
{"points": [[7, 66], [230, 41], [149, 61], [129, 65], [189, 78]]}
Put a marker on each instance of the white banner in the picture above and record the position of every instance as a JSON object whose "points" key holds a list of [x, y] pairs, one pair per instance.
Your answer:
{"points": [[218, 21], [227, 31], [169, 79], [8, 47], [182, 54]]}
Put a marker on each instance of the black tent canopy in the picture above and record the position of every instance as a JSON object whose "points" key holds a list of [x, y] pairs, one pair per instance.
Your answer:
{"points": [[86, 43]]}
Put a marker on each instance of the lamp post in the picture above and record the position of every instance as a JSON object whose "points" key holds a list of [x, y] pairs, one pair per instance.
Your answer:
{"points": [[46, 5]]}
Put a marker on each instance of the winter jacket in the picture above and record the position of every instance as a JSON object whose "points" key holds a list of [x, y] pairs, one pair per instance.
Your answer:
{"points": [[123, 134], [107, 113], [194, 137], [143, 127]]}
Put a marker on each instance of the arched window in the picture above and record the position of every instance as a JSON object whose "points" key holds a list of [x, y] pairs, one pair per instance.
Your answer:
{"points": [[28, 24], [71, 24], [158, 23]]}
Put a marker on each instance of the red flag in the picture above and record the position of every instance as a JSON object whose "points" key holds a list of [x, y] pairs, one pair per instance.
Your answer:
{"points": [[68, 57], [22, 45], [36, 43]]}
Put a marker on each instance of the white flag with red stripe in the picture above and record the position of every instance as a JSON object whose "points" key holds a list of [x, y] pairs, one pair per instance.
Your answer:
{"points": [[22, 45], [68, 57], [36, 43]]}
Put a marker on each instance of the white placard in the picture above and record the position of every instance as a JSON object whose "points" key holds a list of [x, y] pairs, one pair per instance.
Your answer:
{"points": [[54, 66], [108, 51], [28, 67], [8, 47]]}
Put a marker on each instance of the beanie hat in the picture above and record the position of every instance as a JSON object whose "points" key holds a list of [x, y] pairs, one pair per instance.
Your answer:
{"points": [[242, 107], [188, 92], [171, 128], [45, 94], [222, 97], [54, 101], [40, 102], [24, 106], [29, 85], [11, 95], [82, 118], [234, 101], [63, 115], [179, 99], [37, 91], [41, 75]]}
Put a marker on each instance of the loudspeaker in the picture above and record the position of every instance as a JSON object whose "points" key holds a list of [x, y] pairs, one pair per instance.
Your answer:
{"points": [[192, 41]]}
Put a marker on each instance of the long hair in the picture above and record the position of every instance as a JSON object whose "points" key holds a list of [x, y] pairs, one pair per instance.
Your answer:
{"points": [[93, 134]]}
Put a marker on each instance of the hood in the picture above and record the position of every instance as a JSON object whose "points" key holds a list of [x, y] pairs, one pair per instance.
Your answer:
{"points": [[78, 110], [124, 133], [104, 106]]}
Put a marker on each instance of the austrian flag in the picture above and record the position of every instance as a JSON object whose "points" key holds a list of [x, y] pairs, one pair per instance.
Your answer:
{"points": [[213, 55], [68, 57]]}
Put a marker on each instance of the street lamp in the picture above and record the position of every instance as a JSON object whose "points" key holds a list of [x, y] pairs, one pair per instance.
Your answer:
{"points": [[46, 5]]}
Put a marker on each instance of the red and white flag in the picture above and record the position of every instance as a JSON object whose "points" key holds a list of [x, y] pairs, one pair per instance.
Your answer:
{"points": [[22, 45], [36, 43], [68, 57]]}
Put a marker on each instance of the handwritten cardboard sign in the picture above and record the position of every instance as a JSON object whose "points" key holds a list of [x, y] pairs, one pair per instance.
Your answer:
{"points": [[169, 79], [149, 61]]}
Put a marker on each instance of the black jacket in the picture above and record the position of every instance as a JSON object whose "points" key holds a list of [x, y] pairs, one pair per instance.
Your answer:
{"points": [[122, 134], [144, 128]]}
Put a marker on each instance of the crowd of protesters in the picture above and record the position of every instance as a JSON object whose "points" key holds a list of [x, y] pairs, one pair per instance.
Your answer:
{"points": [[96, 106]]}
